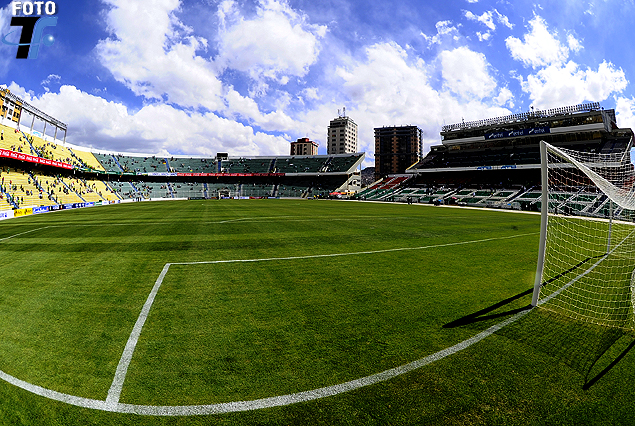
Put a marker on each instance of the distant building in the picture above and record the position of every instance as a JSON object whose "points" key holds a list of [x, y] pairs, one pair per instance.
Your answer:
{"points": [[10, 106], [304, 146], [396, 149], [341, 136]]}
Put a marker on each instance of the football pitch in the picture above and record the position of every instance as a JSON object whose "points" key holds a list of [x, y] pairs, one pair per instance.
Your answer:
{"points": [[277, 312]]}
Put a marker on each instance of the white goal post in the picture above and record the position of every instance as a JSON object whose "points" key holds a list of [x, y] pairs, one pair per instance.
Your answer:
{"points": [[586, 258]]}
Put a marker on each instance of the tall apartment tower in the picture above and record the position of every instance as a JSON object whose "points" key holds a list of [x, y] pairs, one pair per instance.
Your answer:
{"points": [[341, 136], [396, 149]]}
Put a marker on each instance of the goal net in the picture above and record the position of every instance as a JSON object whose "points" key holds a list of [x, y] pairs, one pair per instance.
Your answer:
{"points": [[586, 262]]}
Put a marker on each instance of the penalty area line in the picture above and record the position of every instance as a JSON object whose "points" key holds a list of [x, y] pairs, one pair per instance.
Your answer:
{"points": [[256, 404], [116, 387], [112, 404], [356, 253], [23, 233], [122, 368]]}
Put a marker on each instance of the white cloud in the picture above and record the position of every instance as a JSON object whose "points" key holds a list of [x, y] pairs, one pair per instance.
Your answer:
{"points": [[483, 36], [567, 84], [153, 53], [574, 44], [505, 97], [485, 18], [465, 73], [158, 57], [310, 93], [101, 124], [540, 46], [275, 44], [392, 87], [502, 19], [52, 78], [625, 112], [240, 106], [445, 29]]}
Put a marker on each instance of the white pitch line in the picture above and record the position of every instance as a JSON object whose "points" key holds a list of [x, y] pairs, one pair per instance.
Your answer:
{"points": [[313, 256], [276, 401], [114, 392], [25, 232], [302, 219], [122, 368], [112, 403]]}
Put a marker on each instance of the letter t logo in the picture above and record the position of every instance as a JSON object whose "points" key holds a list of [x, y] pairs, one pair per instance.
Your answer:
{"points": [[32, 34]]}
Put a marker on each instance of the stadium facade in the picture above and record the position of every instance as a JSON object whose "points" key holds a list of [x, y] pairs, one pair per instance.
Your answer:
{"points": [[39, 172], [485, 163], [496, 162]]}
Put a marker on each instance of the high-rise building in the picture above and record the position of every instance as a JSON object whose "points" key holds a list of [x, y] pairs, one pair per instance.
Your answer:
{"points": [[304, 146], [396, 149], [341, 136]]}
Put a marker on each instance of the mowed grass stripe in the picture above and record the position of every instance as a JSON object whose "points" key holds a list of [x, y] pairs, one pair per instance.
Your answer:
{"points": [[131, 268], [66, 314], [286, 325]]}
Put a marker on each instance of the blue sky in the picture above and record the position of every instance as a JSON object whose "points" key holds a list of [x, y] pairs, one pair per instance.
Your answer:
{"points": [[247, 77]]}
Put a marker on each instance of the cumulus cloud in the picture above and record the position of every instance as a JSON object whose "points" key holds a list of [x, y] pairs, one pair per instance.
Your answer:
{"points": [[568, 84], [445, 29], [155, 55], [485, 19], [557, 80], [392, 86], [159, 57], [275, 44], [505, 97], [540, 46], [52, 78], [465, 73], [488, 19], [503, 20], [573, 43], [625, 112], [156, 128]]}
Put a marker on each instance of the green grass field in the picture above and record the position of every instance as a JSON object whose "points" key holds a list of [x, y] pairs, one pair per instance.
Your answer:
{"points": [[267, 298]]}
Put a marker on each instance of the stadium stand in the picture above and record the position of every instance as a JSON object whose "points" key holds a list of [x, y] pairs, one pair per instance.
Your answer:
{"points": [[340, 163], [141, 164], [108, 163], [246, 165], [192, 165], [21, 190], [87, 159], [40, 170], [14, 141], [299, 165], [125, 190], [385, 188], [257, 190], [296, 191], [187, 189], [496, 162]]}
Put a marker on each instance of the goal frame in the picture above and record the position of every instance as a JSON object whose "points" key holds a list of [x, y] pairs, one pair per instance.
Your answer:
{"points": [[544, 219]]}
